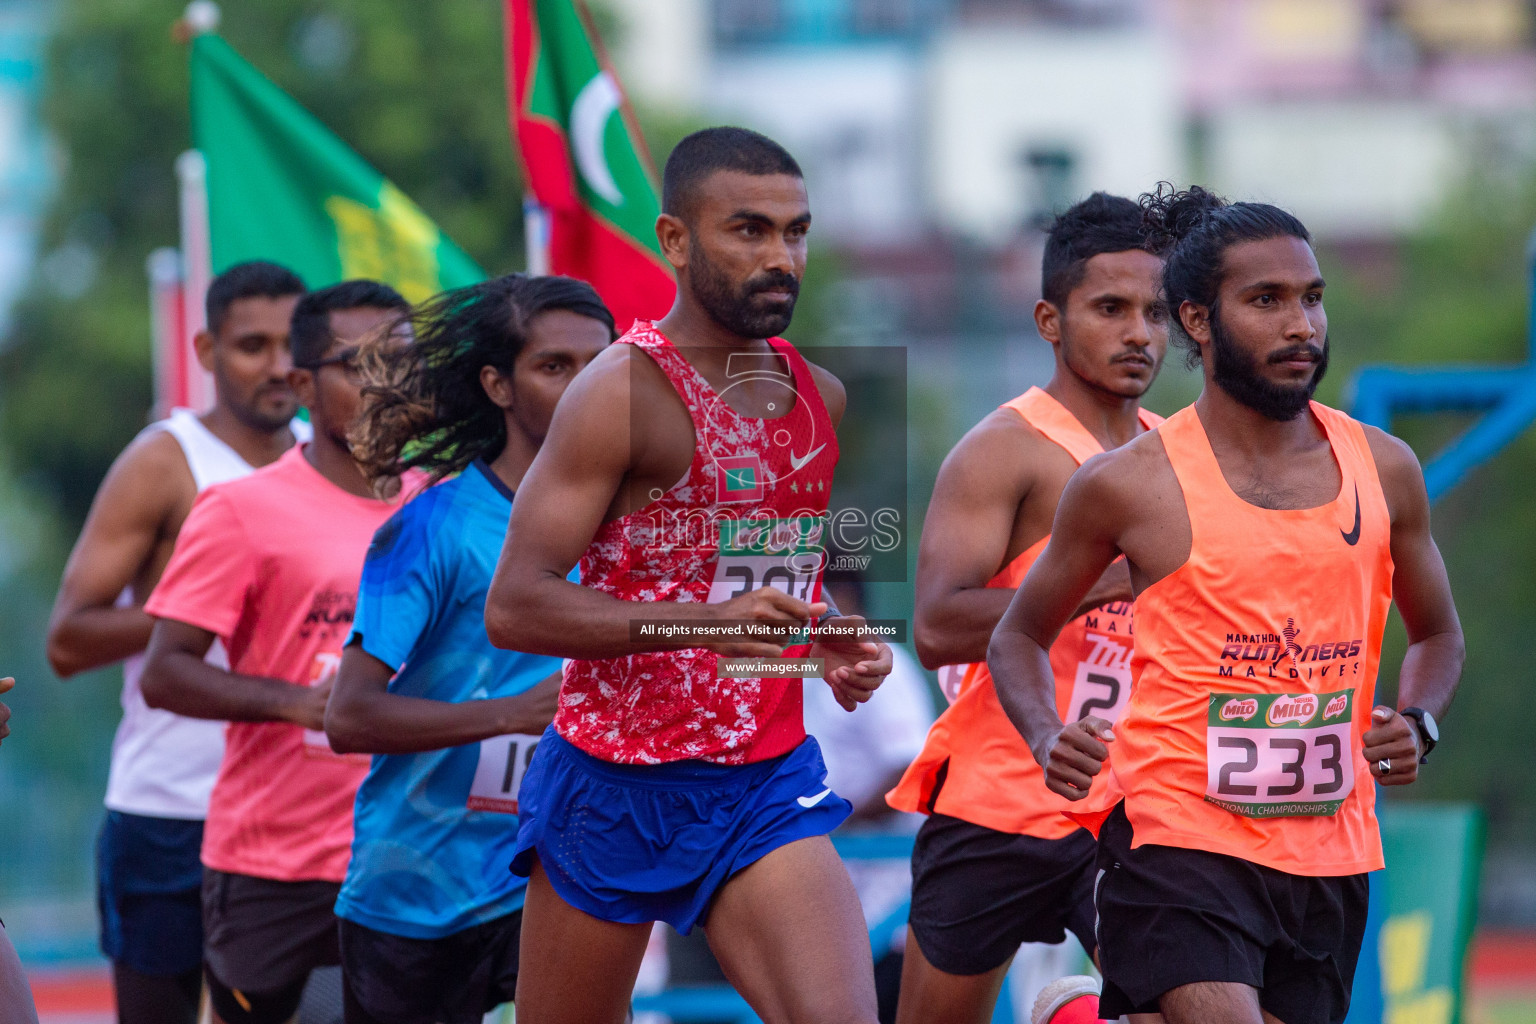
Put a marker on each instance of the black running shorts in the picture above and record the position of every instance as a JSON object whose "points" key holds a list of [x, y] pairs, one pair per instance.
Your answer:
{"points": [[456, 979], [978, 893], [1170, 916], [261, 940]]}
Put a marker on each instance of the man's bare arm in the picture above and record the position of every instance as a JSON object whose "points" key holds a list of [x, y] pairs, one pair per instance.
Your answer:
{"points": [[561, 504], [1432, 665], [129, 517], [1422, 590], [965, 540], [364, 717], [177, 679], [833, 395], [1083, 544]]}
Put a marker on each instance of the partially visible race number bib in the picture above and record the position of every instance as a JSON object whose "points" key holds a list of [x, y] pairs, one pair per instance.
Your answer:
{"points": [[785, 554], [499, 775], [322, 669], [952, 680], [1103, 684], [1280, 755]]}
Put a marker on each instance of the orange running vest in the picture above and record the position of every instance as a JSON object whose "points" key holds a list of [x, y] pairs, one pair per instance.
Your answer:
{"points": [[1255, 668], [975, 766]]}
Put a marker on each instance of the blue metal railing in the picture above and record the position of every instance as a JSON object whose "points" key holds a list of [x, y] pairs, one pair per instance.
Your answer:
{"points": [[1507, 394]]}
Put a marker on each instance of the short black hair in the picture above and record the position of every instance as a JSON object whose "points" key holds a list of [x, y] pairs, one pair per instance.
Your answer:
{"points": [[1192, 230], [1099, 224], [249, 280], [724, 148], [309, 335]]}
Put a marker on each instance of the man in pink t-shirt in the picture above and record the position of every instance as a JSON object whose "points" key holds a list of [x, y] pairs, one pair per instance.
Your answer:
{"points": [[270, 565]]}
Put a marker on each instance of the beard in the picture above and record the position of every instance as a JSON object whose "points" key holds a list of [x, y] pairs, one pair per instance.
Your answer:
{"points": [[1238, 374], [266, 420], [741, 309]]}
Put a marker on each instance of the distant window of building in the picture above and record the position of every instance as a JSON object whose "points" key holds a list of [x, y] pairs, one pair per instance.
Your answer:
{"points": [[825, 22], [884, 17], [739, 22], [1050, 181], [1478, 26]]}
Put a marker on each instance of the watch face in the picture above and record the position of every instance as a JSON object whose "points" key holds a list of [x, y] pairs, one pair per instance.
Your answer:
{"points": [[1427, 725]]}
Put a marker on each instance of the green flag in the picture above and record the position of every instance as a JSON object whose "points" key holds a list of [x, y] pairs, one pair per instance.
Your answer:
{"points": [[282, 187]]}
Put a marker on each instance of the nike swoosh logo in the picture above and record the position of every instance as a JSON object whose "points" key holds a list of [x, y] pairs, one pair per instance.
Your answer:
{"points": [[812, 801], [1353, 536], [799, 461]]}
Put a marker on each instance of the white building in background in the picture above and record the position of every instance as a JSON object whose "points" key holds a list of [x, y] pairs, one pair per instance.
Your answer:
{"points": [[847, 114], [1024, 119], [665, 50], [1358, 115], [976, 117], [1360, 168]]}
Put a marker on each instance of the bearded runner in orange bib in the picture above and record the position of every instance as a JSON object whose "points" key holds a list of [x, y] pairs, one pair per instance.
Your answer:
{"points": [[1267, 536], [997, 863]]}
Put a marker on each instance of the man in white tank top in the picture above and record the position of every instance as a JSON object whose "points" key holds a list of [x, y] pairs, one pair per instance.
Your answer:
{"points": [[163, 765]]}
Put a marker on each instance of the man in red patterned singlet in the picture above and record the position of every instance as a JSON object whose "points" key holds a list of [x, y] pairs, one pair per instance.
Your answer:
{"points": [[1267, 536], [688, 469]]}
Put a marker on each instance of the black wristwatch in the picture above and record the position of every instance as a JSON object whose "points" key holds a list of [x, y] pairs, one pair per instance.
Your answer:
{"points": [[1429, 732]]}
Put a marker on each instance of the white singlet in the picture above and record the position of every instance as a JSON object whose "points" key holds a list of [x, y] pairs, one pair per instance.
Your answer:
{"points": [[163, 765]]}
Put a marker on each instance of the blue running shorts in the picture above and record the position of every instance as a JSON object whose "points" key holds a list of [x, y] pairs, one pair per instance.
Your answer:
{"points": [[640, 843], [149, 891]]}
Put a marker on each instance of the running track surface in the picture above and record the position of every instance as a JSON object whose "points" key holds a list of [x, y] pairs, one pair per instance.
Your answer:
{"points": [[1503, 967]]}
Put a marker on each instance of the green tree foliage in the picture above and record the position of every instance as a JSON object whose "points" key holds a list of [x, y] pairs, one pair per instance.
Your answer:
{"points": [[417, 88]]}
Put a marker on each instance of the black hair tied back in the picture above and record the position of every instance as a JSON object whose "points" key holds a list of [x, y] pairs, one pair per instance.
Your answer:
{"points": [[1192, 230], [1170, 215]]}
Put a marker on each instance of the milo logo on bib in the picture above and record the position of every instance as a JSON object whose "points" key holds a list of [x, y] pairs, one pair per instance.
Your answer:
{"points": [[1271, 755], [785, 554]]}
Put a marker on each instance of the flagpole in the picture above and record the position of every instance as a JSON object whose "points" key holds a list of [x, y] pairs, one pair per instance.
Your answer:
{"points": [[165, 320], [194, 385], [197, 271], [536, 235]]}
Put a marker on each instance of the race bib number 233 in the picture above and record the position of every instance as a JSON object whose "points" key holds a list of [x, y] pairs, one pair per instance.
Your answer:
{"points": [[1273, 755]]}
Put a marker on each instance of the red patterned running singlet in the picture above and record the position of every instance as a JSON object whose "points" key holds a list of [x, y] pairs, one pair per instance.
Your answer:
{"points": [[750, 512]]}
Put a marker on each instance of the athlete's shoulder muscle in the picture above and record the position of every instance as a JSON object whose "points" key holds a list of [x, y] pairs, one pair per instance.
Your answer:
{"points": [[126, 538], [1130, 497], [833, 395], [1402, 479], [1130, 483], [596, 414], [145, 494], [995, 462], [968, 533]]}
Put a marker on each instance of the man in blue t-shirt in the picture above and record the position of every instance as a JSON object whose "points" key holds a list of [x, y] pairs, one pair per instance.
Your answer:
{"points": [[430, 913]]}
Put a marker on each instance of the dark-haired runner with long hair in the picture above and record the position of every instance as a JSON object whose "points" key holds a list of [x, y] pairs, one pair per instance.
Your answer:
{"points": [[1267, 535], [996, 863], [430, 914]]}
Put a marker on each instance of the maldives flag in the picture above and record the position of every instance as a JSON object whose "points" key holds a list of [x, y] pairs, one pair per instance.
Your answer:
{"points": [[584, 160]]}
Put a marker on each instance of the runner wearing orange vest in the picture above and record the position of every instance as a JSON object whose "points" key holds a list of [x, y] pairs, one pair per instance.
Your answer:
{"points": [[1267, 537], [997, 863]]}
